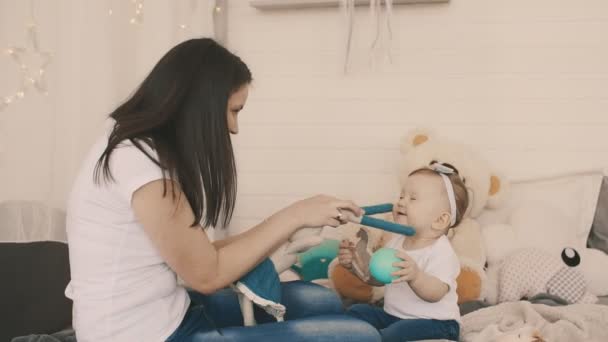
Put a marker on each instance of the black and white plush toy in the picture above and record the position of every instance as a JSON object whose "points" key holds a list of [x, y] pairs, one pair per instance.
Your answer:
{"points": [[530, 271]]}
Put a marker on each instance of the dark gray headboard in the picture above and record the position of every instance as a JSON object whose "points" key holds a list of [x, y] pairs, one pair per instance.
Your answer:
{"points": [[598, 237]]}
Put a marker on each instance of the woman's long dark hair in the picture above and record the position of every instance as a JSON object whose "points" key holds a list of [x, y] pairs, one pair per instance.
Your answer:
{"points": [[180, 111]]}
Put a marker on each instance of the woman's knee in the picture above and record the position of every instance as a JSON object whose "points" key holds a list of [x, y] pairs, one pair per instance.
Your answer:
{"points": [[304, 299], [357, 330], [336, 328], [307, 291], [332, 328]]}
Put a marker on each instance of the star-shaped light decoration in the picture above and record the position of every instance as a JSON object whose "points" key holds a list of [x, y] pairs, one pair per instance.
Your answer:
{"points": [[30, 75], [138, 16], [187, 20]]}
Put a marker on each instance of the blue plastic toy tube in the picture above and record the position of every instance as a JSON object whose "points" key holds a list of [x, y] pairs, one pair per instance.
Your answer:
{"points": [[386, 225], [378, 209]]}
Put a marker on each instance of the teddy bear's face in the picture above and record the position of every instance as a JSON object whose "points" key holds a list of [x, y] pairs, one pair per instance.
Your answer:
{"points": [[420, 149]]}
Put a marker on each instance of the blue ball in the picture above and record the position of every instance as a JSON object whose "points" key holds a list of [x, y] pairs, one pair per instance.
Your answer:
{"points": [[381, 265]]}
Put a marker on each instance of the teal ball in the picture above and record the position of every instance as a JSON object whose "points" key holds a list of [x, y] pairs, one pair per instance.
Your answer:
{"points": [[381, 265]]}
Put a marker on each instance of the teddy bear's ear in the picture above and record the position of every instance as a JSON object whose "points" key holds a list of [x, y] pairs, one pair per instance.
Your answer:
{"points": [[498, 189], [415, 138]]}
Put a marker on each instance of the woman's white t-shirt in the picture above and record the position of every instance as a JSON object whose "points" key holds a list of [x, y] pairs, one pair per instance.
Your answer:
{"points": [[121, 287], [438, 260]]}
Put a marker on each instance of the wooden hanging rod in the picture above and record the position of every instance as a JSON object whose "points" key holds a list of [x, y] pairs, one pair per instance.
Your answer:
{"points": [[295, 4]]}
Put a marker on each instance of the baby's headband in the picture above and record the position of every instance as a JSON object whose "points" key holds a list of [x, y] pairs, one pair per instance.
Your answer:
{"points": [[443, 170]]}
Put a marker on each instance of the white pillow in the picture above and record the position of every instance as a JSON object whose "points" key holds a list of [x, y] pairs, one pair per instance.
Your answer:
{"points": [[26, 221], [571, 195]]}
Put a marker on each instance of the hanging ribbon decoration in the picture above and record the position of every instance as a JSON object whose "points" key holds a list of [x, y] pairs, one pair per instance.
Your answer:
{"points": [[220, 21], [389, 29], [349, 6], [376, 14], [375, 10]]}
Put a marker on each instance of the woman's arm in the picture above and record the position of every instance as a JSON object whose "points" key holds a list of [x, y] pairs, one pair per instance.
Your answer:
{"points": [[207, 267], [226, 241]]}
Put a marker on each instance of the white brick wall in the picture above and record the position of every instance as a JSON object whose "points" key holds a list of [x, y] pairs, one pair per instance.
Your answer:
{"points": [[525, 82]]}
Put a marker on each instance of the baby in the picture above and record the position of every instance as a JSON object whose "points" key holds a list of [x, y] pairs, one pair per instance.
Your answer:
{"points": [[421, 303]]}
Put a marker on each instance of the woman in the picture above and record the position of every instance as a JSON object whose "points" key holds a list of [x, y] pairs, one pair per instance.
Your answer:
{"points": [[163, 173]]}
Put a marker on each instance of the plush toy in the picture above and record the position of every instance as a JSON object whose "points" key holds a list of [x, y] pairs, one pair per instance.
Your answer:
{"points": [[531, 271], [349, 285], [313, 263], [593, 265], [541, 226], [486, 189], [287, 254], [262, 287]]}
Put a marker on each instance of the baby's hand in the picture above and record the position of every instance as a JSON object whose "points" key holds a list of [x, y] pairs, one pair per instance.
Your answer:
{"points": [[345, 254], [409, 269]]}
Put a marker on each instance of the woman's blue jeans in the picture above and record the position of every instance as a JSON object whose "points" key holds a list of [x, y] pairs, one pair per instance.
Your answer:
{"points": [[314, 313]]}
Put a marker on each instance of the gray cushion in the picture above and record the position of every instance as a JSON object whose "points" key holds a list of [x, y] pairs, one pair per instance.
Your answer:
{"points": [[598, 237], [33, 277]]}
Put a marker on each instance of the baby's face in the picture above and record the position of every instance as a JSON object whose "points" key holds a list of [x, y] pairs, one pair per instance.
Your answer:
{"points": [[423, 199]]}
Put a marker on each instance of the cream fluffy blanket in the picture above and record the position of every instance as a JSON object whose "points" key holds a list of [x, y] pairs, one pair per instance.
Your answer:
{"points": [[578, 322]]}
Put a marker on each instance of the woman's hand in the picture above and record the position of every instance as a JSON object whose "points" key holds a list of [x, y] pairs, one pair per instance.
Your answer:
{"points": [[320, 211]]}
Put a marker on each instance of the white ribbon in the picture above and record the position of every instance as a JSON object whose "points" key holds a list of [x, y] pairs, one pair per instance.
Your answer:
{"points": [[444, 170], [349, 6]]}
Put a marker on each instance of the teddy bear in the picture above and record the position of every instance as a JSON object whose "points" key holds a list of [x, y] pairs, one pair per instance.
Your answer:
{"points": [[486, 190]]}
